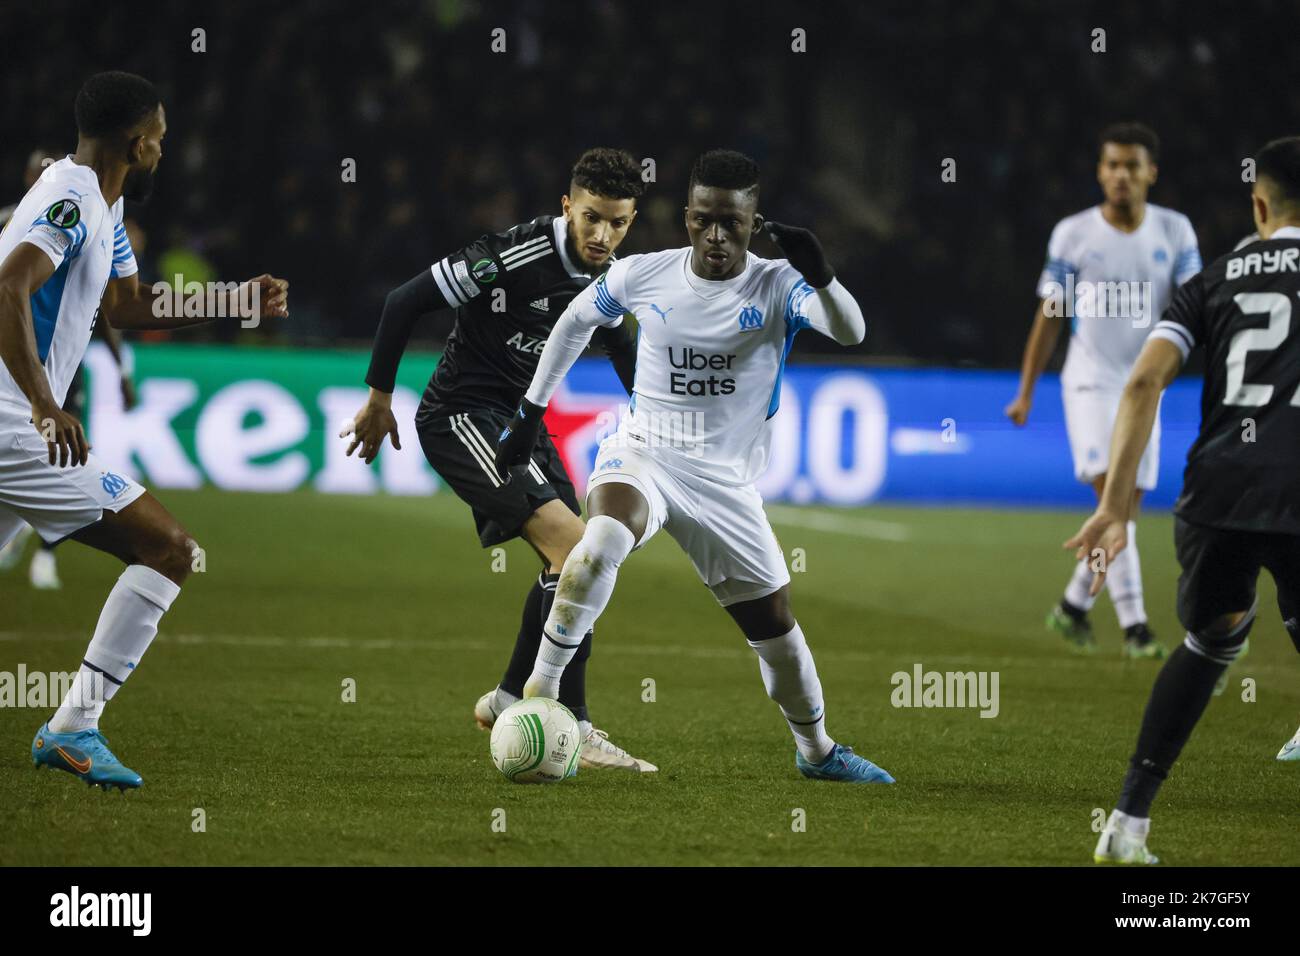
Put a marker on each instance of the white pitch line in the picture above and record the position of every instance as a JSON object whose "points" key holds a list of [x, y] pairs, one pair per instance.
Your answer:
{"points": [[614, 646], [838, 524]]}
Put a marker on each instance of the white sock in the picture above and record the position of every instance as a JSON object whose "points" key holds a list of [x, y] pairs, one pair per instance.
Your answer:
{"points": [[126, 627], [584, 728], [790, 677], [1134, 826], [1076, 592], [585, 587], [1124, 582]]}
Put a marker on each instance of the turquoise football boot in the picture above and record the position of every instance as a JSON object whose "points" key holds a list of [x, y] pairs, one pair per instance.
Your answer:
{"points": [[843, 765], [85, 755]]}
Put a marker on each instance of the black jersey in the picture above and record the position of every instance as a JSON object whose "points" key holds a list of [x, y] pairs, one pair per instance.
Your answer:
{"points": [[1243, 470], [508, 290]]}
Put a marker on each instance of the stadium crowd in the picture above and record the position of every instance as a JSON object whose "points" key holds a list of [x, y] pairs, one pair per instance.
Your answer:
{"points": [[452, 139]]}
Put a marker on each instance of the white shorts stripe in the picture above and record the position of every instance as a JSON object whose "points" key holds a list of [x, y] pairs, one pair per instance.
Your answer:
{"points": [[487, 450], [457, 423]]}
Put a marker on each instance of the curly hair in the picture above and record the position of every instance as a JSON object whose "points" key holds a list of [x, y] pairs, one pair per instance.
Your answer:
{"points": [[609, 173], [112, 103]]}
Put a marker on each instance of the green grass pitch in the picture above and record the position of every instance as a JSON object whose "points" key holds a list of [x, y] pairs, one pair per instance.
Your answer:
{"points": [[237, 709]]}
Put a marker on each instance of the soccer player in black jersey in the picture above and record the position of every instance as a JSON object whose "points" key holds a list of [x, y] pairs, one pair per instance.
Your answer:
{"points": [[1240, 505], [508, 289]]}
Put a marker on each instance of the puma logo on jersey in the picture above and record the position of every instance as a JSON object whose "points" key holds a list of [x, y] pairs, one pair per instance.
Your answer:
{"points": [[526, 343], [663, 313], [541, 305]]}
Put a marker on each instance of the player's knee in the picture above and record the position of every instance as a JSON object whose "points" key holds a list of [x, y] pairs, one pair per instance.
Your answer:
{"points": [[173, 554], [1224, 640], [605, 545]]}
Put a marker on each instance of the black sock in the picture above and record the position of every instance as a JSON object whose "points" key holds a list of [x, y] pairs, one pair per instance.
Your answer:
{"points": [[1077, 613], [1138, 632], [1181, 692], [530, 637], [573, 682]]}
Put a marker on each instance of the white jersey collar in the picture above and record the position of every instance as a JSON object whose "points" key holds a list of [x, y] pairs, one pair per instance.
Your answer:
{"points": [[560, 232], [708, 288], [1287, 232]]}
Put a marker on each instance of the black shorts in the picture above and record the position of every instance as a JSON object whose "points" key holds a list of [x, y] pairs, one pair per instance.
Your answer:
{"points": [[1220, 568], [461, 447]]}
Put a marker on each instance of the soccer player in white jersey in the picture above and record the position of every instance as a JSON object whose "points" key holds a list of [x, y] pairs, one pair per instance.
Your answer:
{"points": [[716, 324], [44, 571], [1112, 269], [64, 256]]}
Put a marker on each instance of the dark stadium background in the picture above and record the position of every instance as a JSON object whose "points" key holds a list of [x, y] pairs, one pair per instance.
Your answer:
{"points": [[452, 140]]}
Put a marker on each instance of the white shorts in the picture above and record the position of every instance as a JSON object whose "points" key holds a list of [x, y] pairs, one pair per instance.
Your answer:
{"points": [[723, 529], [1089, 421], [55, 501]]}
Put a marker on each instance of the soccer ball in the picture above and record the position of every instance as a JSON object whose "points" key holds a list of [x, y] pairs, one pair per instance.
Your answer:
{"points": [[536, 741]]}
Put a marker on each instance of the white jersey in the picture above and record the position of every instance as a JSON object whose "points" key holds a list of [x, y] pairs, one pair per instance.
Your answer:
{"points": [[709, 357], [1115, 286], [65, 216]]}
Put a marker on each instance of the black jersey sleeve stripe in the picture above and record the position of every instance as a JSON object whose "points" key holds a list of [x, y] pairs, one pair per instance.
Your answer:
{"points": [[1173, 332]]}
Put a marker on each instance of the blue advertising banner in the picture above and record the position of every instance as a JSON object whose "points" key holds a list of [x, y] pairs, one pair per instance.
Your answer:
{"points": [[267, 419]]}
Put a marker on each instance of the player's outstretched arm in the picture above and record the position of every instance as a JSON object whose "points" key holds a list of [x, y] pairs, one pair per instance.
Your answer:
{"points": [[568, 339], [128, 304], [1038, 351], [833, 311], [22, 274], [1106, 529]]}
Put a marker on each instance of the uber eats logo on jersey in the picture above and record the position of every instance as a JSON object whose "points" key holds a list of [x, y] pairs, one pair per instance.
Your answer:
{"points": [[65, 214], [485, 270], [688, 358]]}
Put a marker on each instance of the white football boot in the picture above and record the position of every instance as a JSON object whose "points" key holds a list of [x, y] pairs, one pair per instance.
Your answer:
{"points": [[600, 753], [44, 571], [1291, 749], [1118, 845], [486, 711]]}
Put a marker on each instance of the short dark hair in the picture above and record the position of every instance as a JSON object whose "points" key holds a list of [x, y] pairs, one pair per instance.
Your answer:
{"points": [[725, 169], [1279, 163], [611, 173], [112, 103], [1130, 134]]}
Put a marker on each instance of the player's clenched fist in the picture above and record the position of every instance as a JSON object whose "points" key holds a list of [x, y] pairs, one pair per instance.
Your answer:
{"points": [[271, 294], [519, 438], [1018, 410], [804, 252]]}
